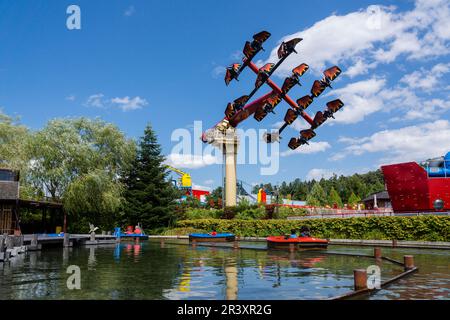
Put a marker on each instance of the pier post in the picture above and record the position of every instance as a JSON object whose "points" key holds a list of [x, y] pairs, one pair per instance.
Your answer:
{"points": [[162, 243], [92, 236], [2, 243], [2, 249], [408, 262], [9, 243], [394, 243], [194, 243], [360, 279], [236, 245], [377, 253], [66, 242], [291, 247], [34, 240]]}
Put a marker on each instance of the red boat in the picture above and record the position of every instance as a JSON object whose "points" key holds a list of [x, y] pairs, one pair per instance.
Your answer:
{"points": [[419, 188], [282, 242]]}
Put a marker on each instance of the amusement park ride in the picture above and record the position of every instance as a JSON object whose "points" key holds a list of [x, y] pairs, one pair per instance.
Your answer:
{"points": [[223, 134]]}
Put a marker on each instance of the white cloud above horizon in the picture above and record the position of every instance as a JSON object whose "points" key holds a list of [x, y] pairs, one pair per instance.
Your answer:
{"points": [[125, 104], [363, 39], [412, 143], [191, 161]]}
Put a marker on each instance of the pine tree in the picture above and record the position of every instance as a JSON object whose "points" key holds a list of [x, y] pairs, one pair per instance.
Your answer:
{"points": [[150, 197], [334, 198], [317, 197], [353, 200]]}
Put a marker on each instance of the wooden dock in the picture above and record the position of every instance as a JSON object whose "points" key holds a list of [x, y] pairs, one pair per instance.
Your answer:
{"points": [[11, 246]]}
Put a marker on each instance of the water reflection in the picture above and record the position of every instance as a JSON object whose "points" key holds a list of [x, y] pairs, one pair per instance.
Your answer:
{"points": [[144, 270]]}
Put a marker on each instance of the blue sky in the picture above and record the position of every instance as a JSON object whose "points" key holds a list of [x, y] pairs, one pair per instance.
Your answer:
{"points": [[135, 62]]}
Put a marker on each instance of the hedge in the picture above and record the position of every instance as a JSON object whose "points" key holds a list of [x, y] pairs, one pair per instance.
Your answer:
{"points": [[419, 228]]}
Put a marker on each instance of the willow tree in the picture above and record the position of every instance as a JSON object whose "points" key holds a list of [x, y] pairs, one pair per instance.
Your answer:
{"points": [[80, 161], [13, 143]]}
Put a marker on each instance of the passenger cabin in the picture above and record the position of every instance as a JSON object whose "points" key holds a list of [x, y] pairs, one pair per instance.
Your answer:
{"points": [[437, 167]]}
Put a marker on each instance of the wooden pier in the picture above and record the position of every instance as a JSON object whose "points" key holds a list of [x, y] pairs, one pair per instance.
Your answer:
{"points": [[11, 246]]}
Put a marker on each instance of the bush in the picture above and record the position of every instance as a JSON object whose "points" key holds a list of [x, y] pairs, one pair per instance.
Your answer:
{"points": [[201, 213], [182, 231], [251, 213], [419, 228], [284, 212]]}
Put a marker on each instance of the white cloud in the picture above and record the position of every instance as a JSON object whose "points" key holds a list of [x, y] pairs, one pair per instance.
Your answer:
{"points": [[128, 104], [313, 147], [378, 34], [190, 161], [427, 80], [95, 100], [361, 99], [129, 11], [297, 125], [218, 71], [70, 97], [317, 174], [200, 187], [209, 181], [416, 142]]}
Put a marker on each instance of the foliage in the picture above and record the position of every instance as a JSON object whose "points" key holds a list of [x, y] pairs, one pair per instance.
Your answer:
{"points": [[360, 184], [284, 212], [334, 199], [201, 213], [13, 143], [353, 200], [182, 231], [251, 213], [419, 228], [317, 197], [150, 197], [67, 149], [95, 196]]}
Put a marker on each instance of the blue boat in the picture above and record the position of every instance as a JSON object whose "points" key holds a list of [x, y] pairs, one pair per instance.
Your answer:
{"points": [[206, 237], [119, 234]]}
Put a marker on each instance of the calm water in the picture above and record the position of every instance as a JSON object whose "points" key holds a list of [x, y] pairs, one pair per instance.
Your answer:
{"points": [[174, 271]]}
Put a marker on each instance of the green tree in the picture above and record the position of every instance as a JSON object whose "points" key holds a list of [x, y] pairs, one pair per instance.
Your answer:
{"points": [[334, 198], [80, 161], [317, 197], [150, 197], [353, 200], [13, 143], [67, 149]]}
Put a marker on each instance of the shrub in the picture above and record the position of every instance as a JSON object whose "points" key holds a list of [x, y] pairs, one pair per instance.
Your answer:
{"points": [[251, 213], [201, 213], [182, 231], [420, 228]]}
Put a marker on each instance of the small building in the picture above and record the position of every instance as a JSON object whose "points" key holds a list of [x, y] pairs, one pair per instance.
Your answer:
{"points": [[11, 205], [379, 200]]}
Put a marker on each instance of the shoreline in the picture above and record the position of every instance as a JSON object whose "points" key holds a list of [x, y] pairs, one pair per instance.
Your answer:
{"points": [[355, 242]]}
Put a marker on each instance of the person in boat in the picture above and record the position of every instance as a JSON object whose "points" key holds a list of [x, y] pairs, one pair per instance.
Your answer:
{"points": [[213, 233], [137, 230], [305, 232], [293, 234]]}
